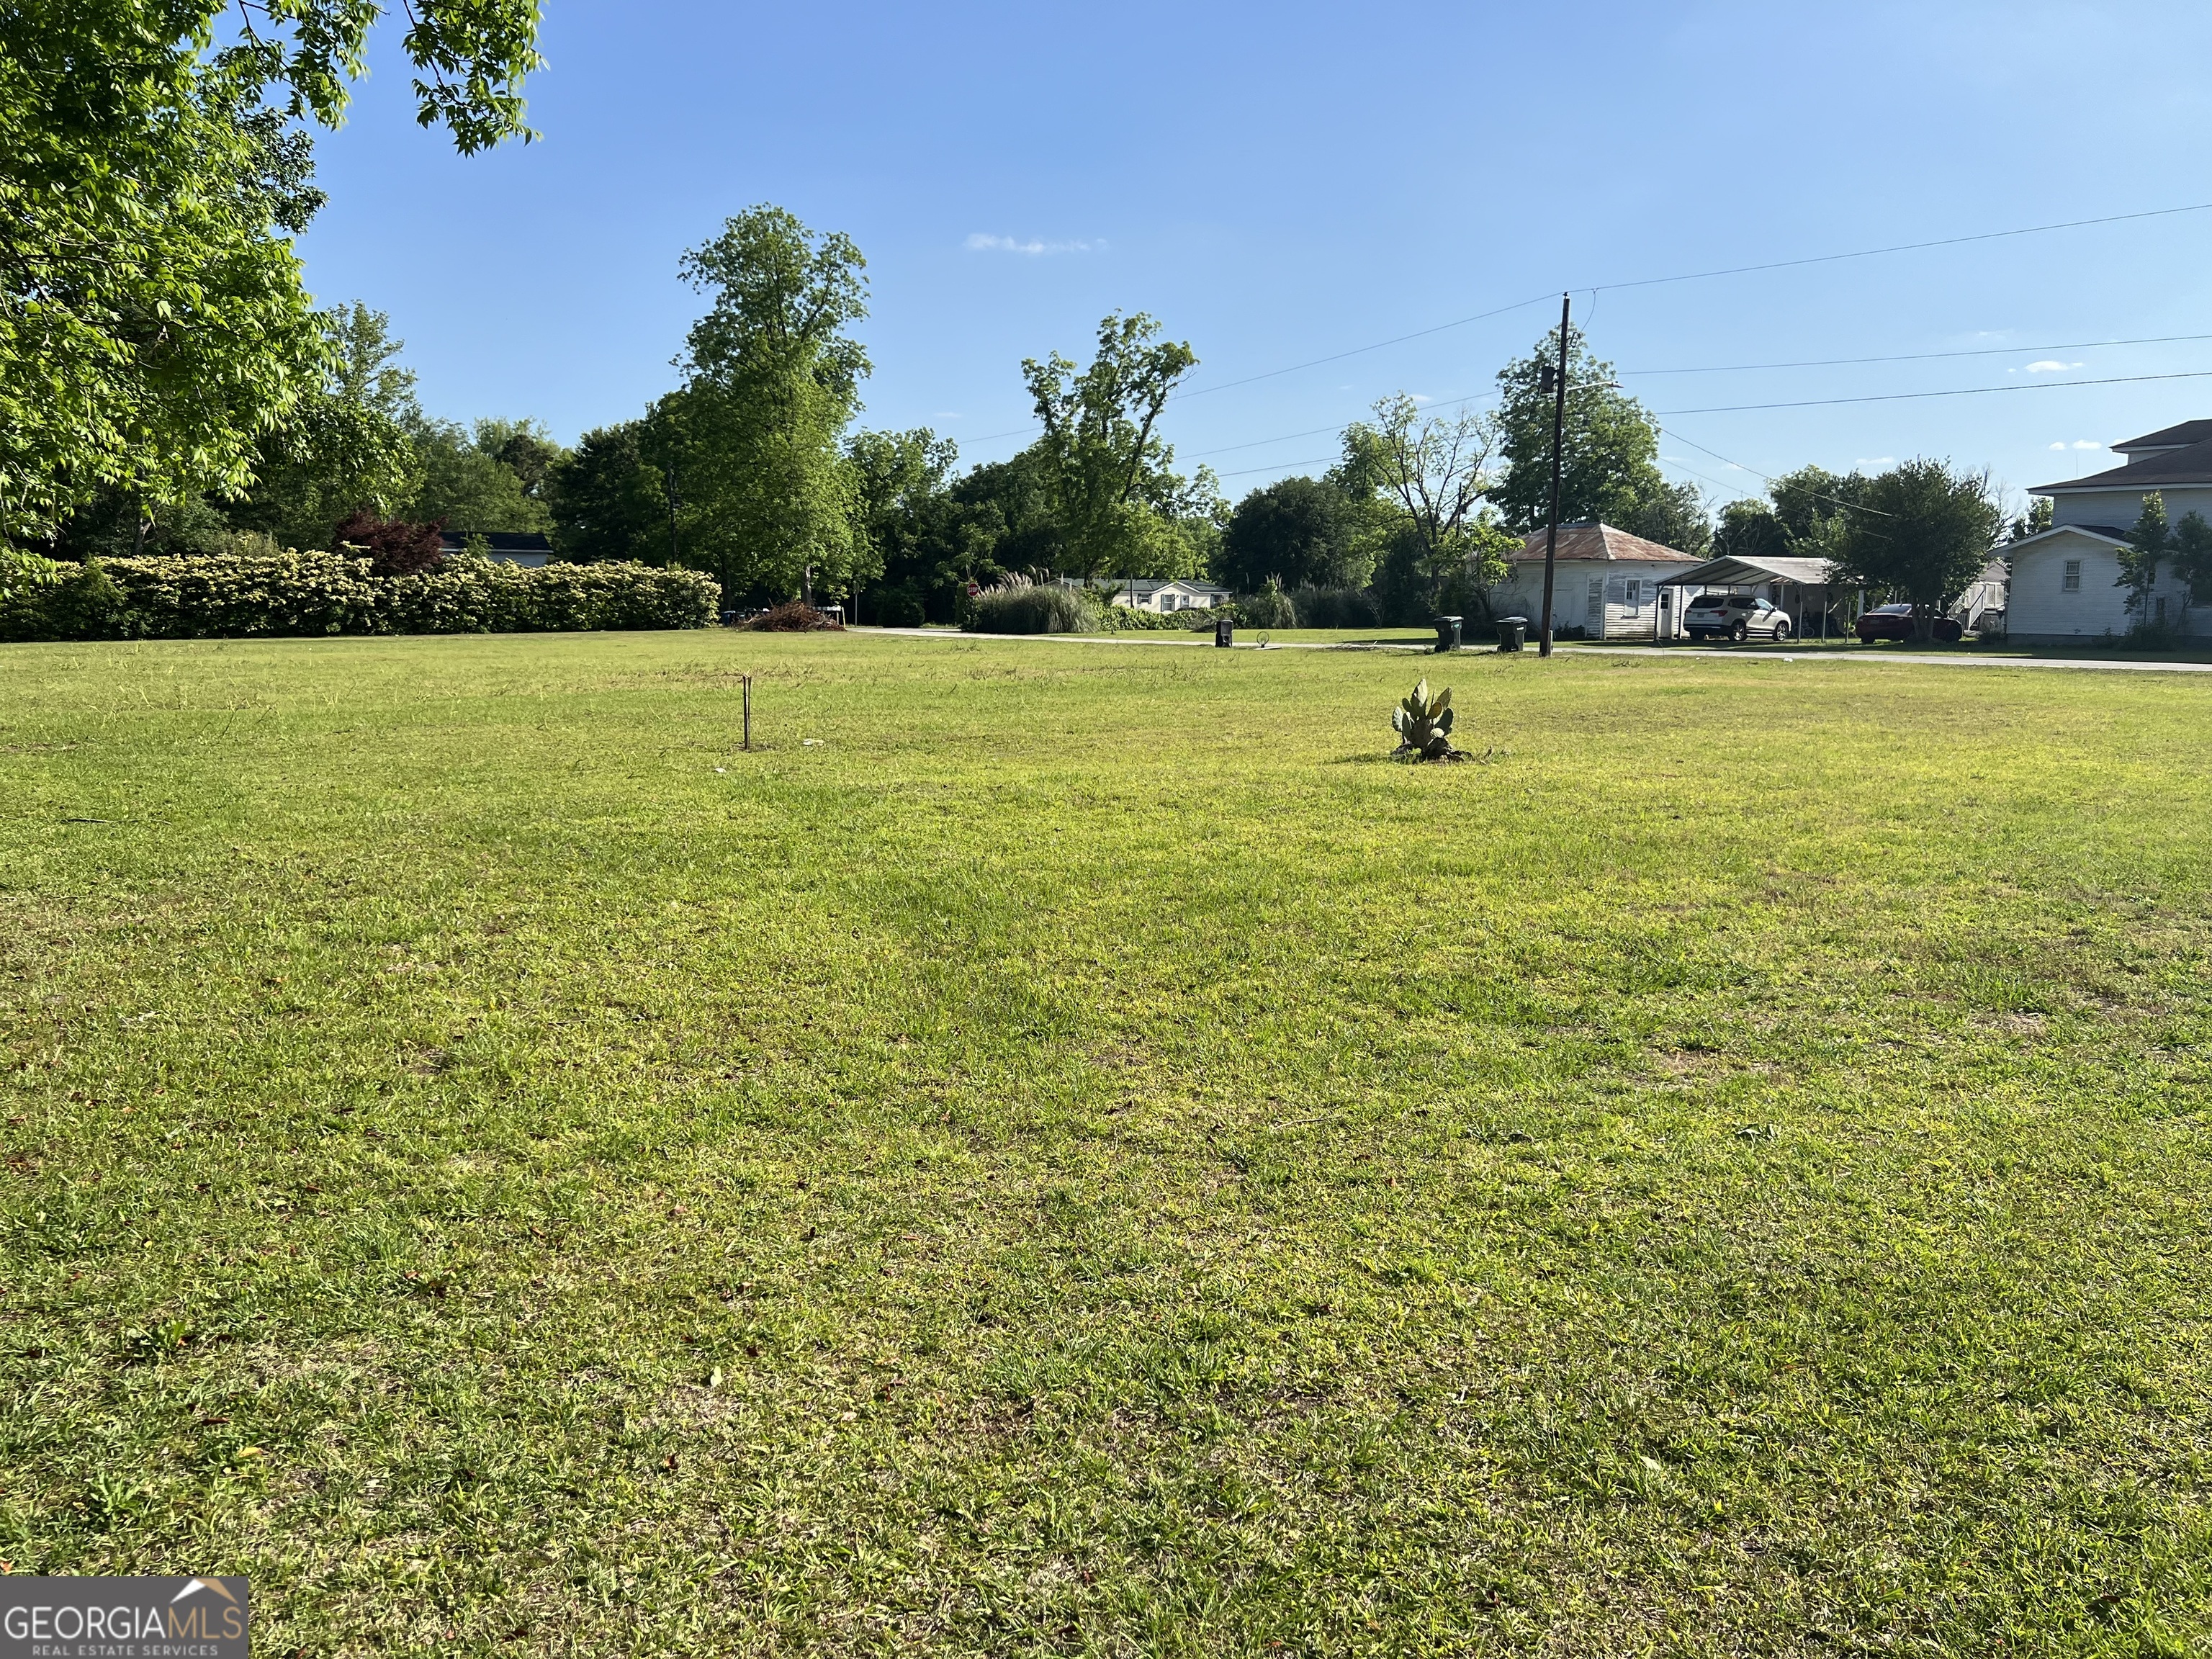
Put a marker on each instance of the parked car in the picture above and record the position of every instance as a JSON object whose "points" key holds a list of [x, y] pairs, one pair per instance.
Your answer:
{"points": [[1894, 622], [1737, 617]]}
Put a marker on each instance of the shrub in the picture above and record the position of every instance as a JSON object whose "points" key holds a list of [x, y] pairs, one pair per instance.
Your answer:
{"points": [[394, 547], [296, 594], [1335, 607], [791, 617], [1268, 608], [1127, 619], [1019, 605]]}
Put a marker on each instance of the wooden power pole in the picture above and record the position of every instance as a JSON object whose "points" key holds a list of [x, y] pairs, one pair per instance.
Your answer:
{"points": [[1559, 378]]}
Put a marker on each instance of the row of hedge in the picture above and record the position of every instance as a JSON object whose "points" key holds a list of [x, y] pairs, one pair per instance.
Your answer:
{"points": [[311, 594]]}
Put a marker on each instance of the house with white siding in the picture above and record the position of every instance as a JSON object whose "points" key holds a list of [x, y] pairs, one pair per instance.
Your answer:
{"points": [[1604, 582], [2065, 581]]}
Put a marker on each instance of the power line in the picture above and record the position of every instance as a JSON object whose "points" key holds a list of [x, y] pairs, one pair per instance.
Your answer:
{"points": [[1335, 357], [1740, 271], [1958, 392], [1314, 362], [1906, 247], [1764, 478], [1317, 460], [1703, 276], [1924, 356]]}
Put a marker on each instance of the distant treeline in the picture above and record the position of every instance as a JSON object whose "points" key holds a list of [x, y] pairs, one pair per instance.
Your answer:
{"points": [[754, 469]]}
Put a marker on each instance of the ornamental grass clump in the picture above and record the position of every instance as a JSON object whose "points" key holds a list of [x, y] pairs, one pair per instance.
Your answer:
{"points": [[1019, 605], [1423, 726]]}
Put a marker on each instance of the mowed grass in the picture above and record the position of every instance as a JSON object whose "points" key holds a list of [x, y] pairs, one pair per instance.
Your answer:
{"points": [[1088, 1158]]}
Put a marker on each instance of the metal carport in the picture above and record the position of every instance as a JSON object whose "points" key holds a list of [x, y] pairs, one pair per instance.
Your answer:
{"points": [[1800, 586]]}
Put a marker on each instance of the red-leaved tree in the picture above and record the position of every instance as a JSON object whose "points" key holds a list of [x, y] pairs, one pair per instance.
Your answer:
{"points": [[395, 548]]}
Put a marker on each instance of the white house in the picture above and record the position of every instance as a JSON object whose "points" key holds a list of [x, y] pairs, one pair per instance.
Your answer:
{"points": [[1156, 593], [1604, 582], [2065, 581]]}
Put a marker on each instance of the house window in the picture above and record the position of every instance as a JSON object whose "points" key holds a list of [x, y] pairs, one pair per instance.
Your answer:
{"points": [[1631, 594], [2071, 581]]}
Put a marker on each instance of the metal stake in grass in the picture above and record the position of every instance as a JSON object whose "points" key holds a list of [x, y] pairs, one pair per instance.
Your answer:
{"points": [[746, 681]]}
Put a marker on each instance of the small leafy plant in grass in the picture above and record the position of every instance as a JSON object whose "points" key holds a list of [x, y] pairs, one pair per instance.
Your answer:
{"points": [[1423, 726]]}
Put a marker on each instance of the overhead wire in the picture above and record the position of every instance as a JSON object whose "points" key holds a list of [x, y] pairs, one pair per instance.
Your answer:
{"points": [[1922, 356], [1736, 270], [1954, 391]]}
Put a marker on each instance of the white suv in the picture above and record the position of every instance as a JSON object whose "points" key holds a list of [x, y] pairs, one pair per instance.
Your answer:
{"points": [[1736, 617]]}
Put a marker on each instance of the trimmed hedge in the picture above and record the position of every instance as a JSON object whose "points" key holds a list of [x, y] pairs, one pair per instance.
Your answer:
{"points": [[313, 594]]}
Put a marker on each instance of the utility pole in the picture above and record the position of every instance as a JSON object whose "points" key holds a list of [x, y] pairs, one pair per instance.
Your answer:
{"points": [[1558, 379], [675, 552]]}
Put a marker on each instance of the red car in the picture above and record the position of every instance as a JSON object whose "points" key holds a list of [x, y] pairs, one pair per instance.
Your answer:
{"points": [[1894, 622]]}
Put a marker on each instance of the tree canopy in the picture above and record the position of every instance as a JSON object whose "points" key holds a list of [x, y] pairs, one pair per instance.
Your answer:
{"points": [[1609, 452], [1295, 531], [1921, 532], [153, 326], [1120, 507], [771, 382], [607, 501]]}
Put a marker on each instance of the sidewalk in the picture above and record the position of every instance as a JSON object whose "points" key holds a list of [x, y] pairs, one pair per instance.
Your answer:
{"points": [[1684, 653]]}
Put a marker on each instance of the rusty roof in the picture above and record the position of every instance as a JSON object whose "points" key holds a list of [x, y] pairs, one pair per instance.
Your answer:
{"points": [[1602, 541]]}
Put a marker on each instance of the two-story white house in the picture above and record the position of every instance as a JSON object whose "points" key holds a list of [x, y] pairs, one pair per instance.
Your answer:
{"points": [[2065, 581]]}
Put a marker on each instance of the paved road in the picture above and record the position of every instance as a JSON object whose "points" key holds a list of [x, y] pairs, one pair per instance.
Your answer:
{"points": [[1699, 653]]}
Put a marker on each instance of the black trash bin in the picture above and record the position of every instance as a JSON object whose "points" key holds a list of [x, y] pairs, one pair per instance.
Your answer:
{"points": [[1448, 633], [1224, 632], [1511, 632]]}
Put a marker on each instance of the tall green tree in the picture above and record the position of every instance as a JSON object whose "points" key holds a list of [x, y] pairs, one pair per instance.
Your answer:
{"points": [[152, 325], [466, 485], [2192, 556], [899, 493], [347, 446], [1446, 546], [1920, 532], [2034, 522], [1609, 453], [607, 501], [2150, 541], [1122, 508], [771, 381], [1749, 529], [1297, 531]]}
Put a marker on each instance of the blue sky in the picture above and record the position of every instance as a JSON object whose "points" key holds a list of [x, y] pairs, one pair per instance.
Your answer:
{"points": [[1281, 183]]}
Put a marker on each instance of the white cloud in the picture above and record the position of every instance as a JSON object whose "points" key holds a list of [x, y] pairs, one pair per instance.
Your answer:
{"points": [[1420, 397], [2050, 365], [2058, 446], [981, 242], [954, 414], [2083, 443], [1875, 460]]}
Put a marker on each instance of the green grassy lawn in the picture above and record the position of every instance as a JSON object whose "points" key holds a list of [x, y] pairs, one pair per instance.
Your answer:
{"points": [[1088, 1158]]}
